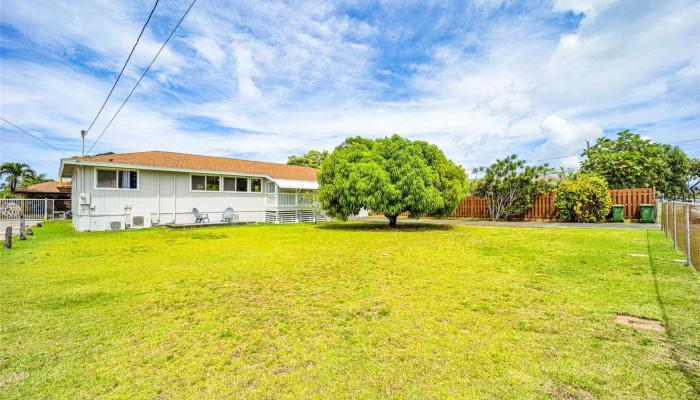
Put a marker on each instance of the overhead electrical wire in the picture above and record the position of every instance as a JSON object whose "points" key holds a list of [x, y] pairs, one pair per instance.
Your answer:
{"points": [[123, 67], [577, 155], [142, 75], [32, 135]]}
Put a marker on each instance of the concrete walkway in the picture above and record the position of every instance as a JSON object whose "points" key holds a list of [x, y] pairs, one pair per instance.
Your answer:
{"points": [[516, 224], [15, 226]]}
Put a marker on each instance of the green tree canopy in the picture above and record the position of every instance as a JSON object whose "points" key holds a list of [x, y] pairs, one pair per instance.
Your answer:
{"points": [[32, 179], [14, 173], [390, 175], [629, 161], [510, 186], [313, 158]]}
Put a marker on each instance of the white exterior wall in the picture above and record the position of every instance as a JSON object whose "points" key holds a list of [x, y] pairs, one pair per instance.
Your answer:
{"points": [[161, 198]]}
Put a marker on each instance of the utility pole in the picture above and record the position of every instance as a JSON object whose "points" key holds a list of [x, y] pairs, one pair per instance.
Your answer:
{"points": [[82, 138]]}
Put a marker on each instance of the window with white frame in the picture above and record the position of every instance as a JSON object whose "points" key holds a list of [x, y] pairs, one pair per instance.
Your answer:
{"points": [[241, 184], [229, 184], [117, 179], [208, 183], [213, 183], [256, 185], [232, 184]]}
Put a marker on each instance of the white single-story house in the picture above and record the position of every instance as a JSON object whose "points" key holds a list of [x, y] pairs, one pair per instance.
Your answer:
{"points": [[143, 189]]}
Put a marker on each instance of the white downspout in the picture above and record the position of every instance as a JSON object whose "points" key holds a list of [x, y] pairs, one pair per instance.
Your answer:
{"points": [[158, 199], [174, 200]]}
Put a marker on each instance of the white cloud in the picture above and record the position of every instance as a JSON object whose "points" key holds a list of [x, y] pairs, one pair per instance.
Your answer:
{"points": [[306, 75], [245, 71], [563, 139], [209, 49]]}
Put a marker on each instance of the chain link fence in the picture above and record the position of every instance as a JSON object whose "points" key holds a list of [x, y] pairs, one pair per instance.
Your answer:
{"points": [[680, 221]]}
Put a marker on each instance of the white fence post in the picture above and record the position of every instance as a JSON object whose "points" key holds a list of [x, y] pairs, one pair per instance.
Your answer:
{"points": [[687, 234], [46, 209]]}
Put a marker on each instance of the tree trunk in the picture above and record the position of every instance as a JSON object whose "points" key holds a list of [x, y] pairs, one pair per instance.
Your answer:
{"points": [[392, 220]]}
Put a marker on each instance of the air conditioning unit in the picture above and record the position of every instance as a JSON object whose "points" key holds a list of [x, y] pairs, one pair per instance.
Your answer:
{"points": [[115, 225], [137, 221]]}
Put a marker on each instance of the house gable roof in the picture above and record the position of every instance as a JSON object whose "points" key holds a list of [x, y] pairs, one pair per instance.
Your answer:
{"points": [[46, 187], [193, 162]]}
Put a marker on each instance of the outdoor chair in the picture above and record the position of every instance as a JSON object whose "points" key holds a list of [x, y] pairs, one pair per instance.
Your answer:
{"points": [[199, 217], [228, 215]]}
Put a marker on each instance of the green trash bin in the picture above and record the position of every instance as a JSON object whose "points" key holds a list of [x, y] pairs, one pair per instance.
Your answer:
{"points": [[647, 213], [618, 213]]}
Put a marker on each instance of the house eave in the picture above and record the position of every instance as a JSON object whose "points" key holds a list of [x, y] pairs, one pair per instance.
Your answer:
{"points": [[68, 165]]}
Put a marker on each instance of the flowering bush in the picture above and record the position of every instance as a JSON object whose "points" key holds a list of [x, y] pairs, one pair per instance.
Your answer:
{"points": [[584, 198]]}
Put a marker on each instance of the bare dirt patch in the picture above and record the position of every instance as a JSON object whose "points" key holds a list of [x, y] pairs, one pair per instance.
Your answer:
{"points": [[639, 322], [12, 378], [561, 392]]}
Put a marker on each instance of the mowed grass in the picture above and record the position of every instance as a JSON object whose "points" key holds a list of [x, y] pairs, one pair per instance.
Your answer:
{"points": [[346, 311]]}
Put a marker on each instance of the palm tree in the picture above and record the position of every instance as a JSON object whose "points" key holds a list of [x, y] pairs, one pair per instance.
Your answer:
{"points": [[33, 179], [14, 173]]}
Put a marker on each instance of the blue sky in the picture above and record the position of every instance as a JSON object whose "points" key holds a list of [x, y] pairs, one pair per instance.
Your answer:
{"points": [[262, 79]]}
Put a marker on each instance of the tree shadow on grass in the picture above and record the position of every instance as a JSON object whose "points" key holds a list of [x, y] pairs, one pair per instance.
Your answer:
{"points": [[384, 227]]}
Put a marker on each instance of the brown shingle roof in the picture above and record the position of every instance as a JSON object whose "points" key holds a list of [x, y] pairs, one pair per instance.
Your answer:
{"points": [[195, 162], [46, 187]]}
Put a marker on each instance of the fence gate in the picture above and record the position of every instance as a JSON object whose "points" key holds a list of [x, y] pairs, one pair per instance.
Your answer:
{"points": [[680, 221], [31, 209]]}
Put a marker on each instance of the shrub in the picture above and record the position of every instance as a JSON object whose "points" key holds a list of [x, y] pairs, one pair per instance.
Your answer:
{"points": [[585, 198], [510, 186]]}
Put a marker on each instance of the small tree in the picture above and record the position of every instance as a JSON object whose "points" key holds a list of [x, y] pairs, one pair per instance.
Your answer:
{"points": [[584, 198], [510, 186], [390, 175], [630, 161], [313, 158]]}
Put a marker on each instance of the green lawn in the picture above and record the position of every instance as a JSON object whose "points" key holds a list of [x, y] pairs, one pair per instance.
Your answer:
{"points": [[346, 311]]}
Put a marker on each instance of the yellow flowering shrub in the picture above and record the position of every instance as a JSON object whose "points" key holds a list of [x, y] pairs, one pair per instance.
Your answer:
{"points": [[584, 198]]}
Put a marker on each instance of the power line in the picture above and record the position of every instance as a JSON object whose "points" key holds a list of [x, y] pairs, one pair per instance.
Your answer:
{"points": [[577, 155], [30, 134], [143, 75], [685, 141], [552, 158], [123, 67]]}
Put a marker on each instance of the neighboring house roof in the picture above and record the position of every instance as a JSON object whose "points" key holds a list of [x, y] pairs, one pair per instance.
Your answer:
{"points": [[194, 163], [46, 187]]}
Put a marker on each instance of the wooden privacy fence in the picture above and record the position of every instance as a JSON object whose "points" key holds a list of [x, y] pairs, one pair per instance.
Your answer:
{"points": [[472, 207], [632, 199], [545, 209]]}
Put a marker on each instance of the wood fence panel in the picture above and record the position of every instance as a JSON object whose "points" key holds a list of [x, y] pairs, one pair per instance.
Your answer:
{"points": [[472, 207], [544, 207], [632, 199]]}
